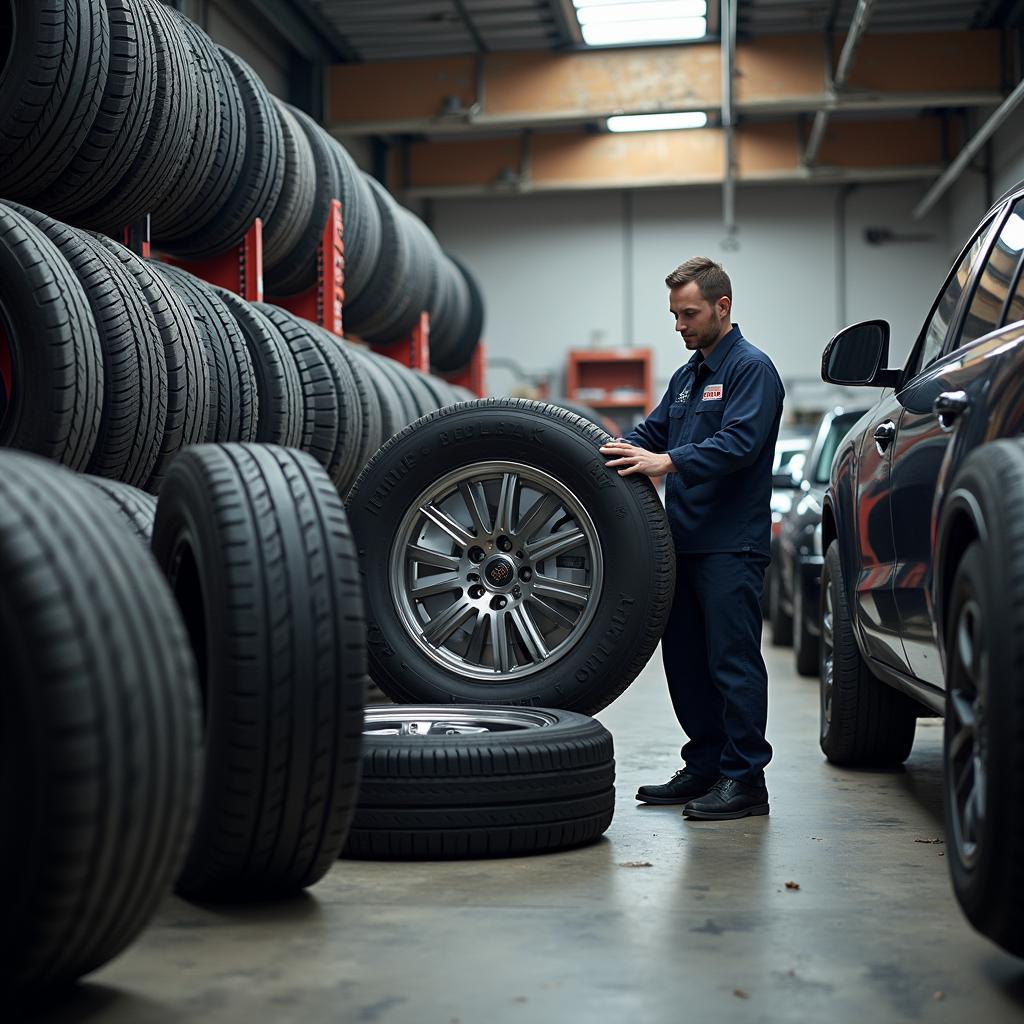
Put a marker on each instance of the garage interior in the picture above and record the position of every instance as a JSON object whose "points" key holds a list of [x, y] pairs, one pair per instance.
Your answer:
{"points": [[837, 157]]}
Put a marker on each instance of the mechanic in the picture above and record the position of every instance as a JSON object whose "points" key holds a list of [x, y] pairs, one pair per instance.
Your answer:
{"points": [[713, 438]]}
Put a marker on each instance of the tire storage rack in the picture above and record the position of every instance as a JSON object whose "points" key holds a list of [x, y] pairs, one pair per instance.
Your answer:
{"points": [[219, 518]]}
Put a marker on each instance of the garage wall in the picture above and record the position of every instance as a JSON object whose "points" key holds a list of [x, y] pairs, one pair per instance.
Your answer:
{"points": [[577, 270]]}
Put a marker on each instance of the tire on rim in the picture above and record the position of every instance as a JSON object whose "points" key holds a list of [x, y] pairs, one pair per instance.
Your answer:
{"points": [[863, 721], [504, 563], [444, 782], [984, 666]]}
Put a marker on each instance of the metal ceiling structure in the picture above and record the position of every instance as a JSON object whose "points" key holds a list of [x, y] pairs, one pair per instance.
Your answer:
{"points": [[778, 17]]}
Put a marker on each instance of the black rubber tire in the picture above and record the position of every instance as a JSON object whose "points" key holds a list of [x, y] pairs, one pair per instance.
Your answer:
{"points": [[780, 621], [428, 797], [389, 397], [276, 377], [188, 376], [871, 725], [258, 187], [361, 220], [51, 88], [256, 545], [639, 563], [401, 391], [806, 653], [990, 578], [168, 137], [232, 394], [179, 200], [134, 403], [134, 508], [458, 354], [438, 389], [99, 730], [371, 433], [51, 364], [320, 410], [422, 392], [298, 271], [122, 120], [285, 228]]}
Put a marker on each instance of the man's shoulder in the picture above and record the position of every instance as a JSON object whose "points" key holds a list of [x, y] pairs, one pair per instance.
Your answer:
{"points": [[745, 354]]}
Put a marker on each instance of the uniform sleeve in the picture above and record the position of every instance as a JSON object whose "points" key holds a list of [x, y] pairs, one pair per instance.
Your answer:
{"points": [[751, 405], [652, 433]]}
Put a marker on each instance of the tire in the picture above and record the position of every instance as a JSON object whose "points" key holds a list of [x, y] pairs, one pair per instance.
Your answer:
{"points": [[390, 391], [984, 666], [134, 402], [397, 385], [610, 598], [361, 217], [51, 88], [167, 140], [258, 187], [188, 376], [440, 395], [257, 549], [51, 362], [134, 508], [232, 395], [514, 790], [371, 433], [122, 120], [294, 210], [778, 619], [99, 730], [320, 407], [426, 403], [805, 643], [460, 352], [278, 388], [864, 722]]}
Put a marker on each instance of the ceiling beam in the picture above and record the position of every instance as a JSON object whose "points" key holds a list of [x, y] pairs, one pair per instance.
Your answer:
{"points": [[568, 24], [305, 29]]}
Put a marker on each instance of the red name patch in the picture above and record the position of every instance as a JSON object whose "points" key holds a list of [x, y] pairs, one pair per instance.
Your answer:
{"points": [[712, 393]]}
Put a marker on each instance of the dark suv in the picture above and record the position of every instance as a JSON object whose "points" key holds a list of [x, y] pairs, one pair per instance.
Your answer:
{"points": [[922, 608]]}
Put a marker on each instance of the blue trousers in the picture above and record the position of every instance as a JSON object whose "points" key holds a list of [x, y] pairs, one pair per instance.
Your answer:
{"points": [[716, 675]]}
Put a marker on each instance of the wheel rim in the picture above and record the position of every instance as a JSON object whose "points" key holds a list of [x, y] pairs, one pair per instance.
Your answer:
{"points": [[966, 748], [442, 721], [496, 571], [827, 653]]}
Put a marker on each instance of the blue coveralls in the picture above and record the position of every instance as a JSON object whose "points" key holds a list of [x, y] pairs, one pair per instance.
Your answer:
{"points": [[718, 422]]}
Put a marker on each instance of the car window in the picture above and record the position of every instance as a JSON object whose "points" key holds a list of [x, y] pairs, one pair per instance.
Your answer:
{"points": [[995, 280], [930, 346], [838, 429]]}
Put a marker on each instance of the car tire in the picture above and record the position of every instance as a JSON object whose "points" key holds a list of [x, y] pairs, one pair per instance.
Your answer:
{"points": [[780, 622], [256, 546], [133, 507], [805, 643], [984, 723], [99, 730], [540, 501], [447, 781], [864, 722]]}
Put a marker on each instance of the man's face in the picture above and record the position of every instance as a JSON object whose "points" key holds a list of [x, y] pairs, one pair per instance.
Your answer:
{"points": [[698, 321]]}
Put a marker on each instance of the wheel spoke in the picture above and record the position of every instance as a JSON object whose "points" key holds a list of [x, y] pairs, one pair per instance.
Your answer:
{"points": [[437, 559], [452, 527], [430, 585], [501, 647], [555, 544], [442, 625], [504, 515], [540, 512], [475, 651], [475, 500], [557, 617], [576, 594], [529, 633], [961, 741]]}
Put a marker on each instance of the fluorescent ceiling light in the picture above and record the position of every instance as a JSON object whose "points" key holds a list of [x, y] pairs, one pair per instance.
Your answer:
{"points": [[644, 31], [616, 10], [657, 122]]}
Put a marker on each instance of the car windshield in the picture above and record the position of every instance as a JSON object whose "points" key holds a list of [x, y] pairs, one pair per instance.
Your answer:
{"points": [[837, 430]]}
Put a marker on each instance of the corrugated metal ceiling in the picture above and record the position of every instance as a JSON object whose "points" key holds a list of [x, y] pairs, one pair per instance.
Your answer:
{"points": [[769, 17]]}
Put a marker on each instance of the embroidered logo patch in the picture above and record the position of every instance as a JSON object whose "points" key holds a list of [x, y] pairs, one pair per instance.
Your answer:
{"points": [[712, 393], [683, 395]]}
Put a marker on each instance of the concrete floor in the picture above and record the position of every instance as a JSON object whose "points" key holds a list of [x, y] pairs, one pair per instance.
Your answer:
{"points": [[708, 931]]}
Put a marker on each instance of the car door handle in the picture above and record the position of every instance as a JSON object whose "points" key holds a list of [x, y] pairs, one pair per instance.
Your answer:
{"points": [[948, 407], [884, 433]]}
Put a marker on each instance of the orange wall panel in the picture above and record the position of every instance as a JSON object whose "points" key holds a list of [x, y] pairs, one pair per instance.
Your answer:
{"points": [[926, 61], [882, 143], [468, 162]]}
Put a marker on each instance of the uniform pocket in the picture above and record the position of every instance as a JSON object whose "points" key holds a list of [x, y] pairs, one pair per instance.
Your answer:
{"points": [[677, 411]]}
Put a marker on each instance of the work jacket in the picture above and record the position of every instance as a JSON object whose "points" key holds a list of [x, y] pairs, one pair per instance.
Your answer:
{"points": [[718, 422]]}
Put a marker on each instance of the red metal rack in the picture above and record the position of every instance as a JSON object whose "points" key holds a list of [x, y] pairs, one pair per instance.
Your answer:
{"points": [[324, 303], [413, 351], [472, 376], [238, 270]]}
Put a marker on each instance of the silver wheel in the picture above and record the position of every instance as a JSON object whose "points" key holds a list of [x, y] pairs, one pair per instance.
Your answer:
{"points": [[442, 721], [496, 571]]}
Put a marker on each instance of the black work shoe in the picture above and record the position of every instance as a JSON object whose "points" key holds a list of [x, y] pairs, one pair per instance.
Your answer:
{"points": [[683, 787], [727, 799]]}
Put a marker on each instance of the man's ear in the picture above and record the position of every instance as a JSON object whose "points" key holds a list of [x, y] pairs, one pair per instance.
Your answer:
{"points": [[724, 306]]}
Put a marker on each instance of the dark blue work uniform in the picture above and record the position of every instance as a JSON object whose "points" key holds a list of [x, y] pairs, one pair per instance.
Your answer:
{"points": [[718, 422]]}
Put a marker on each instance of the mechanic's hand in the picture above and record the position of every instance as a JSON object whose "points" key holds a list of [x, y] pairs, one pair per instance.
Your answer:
{"points": [[636, 460]]}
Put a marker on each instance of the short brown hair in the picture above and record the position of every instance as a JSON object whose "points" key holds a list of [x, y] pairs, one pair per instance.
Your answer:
{"points": [[711, 279]]}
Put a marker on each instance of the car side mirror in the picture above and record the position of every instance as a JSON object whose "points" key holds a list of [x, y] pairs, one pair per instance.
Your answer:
{"points": [[857, 356]]}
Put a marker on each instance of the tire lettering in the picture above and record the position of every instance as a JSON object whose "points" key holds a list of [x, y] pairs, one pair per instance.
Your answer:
{"points": [[609, 641], [391, 480]]}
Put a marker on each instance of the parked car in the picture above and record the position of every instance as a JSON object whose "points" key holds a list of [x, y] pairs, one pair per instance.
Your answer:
{"points": [[923, 580], [796, 591], [787, 472]]}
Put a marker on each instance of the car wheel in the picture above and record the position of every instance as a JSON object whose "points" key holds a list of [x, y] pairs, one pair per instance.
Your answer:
{"points": [[805, 643], [781, 623], [863, 721], [505, 563]]}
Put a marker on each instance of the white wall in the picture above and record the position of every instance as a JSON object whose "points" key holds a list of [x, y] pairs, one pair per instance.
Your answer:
{"points": [[573, 270]]}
